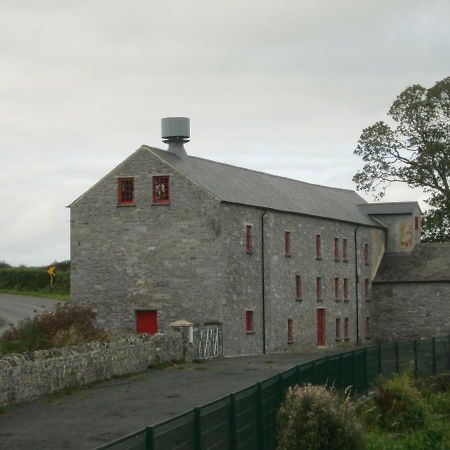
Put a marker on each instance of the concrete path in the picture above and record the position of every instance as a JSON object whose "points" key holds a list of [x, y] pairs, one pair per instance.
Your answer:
{"points": [[97, 415], [14, 308]]}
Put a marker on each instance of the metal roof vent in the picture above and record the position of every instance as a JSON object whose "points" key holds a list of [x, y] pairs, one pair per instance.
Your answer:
{"points": [[175, 132]]}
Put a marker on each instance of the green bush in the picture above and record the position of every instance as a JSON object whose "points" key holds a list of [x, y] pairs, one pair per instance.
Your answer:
{"points": [[33, 279], [65, 326], [317, 417], [398, 404]]}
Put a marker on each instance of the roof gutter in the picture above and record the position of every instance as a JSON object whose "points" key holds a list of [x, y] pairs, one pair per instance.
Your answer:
{"points": [[263, 285]]}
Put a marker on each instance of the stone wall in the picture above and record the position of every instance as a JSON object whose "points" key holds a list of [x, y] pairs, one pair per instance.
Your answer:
{"points": [[404, 311], [25, 377]]}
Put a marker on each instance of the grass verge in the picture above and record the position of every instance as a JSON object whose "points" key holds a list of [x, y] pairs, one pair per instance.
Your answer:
{"points": [[50, 295]]}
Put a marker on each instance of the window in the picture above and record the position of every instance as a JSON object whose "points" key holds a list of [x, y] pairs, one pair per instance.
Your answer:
{"points": [[367, 327], [249, 321], [287, 243], [248, 239], [318, 245], [344, 250], [417, 222], [366, 288], [298, 287], [319, 288], [290, 332], [346, 335], [336, 249], [161, 194], [126, 191], [336, 289], [366, 254], [338, 329], [346, 289]]}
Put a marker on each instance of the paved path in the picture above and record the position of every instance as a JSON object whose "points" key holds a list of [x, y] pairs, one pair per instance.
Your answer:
{"points": [[112, 409], [14, 308]]}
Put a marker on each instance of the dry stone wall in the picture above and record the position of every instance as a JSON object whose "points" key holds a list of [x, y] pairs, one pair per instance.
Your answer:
{"points": [[25, 377]]}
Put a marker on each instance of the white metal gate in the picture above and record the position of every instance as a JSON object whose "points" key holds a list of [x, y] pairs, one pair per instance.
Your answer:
{"points": [[208, 341]]}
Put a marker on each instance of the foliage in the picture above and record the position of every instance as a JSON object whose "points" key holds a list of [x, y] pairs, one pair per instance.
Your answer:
{"points": [[315, 417], [408, 415], [416, 152], [66, 326], [4, 265], [33, 279]]}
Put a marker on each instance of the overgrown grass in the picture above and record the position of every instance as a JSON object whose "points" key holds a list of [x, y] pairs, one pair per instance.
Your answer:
{"points": [[401, 414], [66, 326]]}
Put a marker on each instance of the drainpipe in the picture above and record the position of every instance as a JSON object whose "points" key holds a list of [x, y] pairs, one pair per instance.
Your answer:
{"points": [[356, 285], [263, 284]]}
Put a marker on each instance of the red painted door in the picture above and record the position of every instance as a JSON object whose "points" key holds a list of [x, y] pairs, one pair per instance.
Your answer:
{"points": [[320, 327], [146, 322]]}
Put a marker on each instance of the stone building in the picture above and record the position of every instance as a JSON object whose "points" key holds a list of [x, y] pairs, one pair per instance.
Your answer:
{"points": [[280, 264]]}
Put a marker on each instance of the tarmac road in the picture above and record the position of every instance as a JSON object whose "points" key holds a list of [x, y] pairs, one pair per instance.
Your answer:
{"points": [[14, 308], [94, 416]]}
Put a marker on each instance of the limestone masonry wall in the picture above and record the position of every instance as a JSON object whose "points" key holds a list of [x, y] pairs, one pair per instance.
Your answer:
{"points": [[25, 377]]}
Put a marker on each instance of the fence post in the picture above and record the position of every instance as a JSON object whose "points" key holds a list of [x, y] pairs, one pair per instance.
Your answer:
{"points": [[353, 372], [341, 371], [416, 360], [197, 429], [232, 421], [150, 438], [397, 359], [448, 351], [259, 421], [380, 360], [313, 372], [433, 342], [366, 372]]}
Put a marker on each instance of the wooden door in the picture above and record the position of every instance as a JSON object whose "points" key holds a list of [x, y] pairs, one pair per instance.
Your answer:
{"points": [[147, 322], [320, 327]]}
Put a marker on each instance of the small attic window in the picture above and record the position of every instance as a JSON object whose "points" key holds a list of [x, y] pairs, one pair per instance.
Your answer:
{"points": [[161, 194], [126, 191]]}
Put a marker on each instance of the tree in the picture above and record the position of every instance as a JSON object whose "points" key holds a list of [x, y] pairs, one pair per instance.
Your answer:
{"points": [[415, 150]]}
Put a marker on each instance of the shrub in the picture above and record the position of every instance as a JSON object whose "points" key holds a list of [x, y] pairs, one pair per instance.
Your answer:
{"points": [[65, 326], [399, 404], [316, 417]]}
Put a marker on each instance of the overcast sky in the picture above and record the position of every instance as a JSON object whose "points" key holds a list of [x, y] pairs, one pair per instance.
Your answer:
{"points": [[284, 87]]}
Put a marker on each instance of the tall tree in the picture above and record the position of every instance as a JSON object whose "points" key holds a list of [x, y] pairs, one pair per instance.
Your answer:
{"points": [[415, 150]]}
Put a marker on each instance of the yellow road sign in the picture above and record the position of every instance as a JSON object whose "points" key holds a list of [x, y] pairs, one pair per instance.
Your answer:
{"points": [[51, 271]]}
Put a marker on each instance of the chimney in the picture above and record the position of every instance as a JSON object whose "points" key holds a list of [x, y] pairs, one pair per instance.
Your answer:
{"points": [[175, 132]]}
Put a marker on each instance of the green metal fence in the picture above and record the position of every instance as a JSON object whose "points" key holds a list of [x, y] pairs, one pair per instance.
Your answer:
{"points": [[246, 420]]}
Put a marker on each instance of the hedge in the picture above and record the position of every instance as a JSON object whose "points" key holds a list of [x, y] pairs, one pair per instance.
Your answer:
{"points": [[32, 279]]}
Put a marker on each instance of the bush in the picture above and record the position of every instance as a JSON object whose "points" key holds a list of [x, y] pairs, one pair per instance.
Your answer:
{"points": [[316, 417], [33, 279], [64, 327], [398, 404]]}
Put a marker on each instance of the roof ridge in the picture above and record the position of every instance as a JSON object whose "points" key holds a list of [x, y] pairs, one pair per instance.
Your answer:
{"points": [[389, 203], [260, 171]]}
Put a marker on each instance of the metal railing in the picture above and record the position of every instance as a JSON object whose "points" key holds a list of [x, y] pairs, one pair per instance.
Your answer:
{"points": [[246, 420]]}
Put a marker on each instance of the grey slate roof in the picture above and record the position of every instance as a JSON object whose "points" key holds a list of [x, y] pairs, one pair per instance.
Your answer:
{"points": [[390, 208], [427, 262], [243, 186]]}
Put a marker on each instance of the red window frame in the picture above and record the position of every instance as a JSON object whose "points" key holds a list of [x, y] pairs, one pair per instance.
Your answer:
{"points": [[366, 254], [298, 287], [125, 191], [248, 239], [346, 335], [338, 329], [290, 332], [319, 288], [344, 250], [417, 222], [318, 247], [146, 321], [336, 249], [287, 243], [249, 322], [366, 288], [346, 289], [367, 327], [337, 293], [161, 189]]}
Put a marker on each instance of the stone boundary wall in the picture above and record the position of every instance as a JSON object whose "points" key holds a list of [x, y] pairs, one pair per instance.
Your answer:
{"points": [[25, 377]]}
